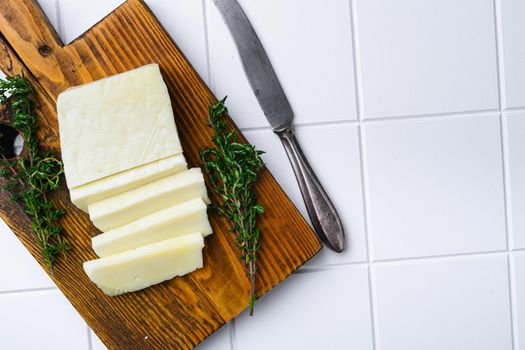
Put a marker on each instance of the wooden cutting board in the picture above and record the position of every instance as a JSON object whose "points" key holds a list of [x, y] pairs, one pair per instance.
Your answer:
{"points": [[180, 313]]}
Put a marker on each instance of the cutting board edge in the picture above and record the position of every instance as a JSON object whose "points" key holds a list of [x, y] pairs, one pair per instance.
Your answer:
{"points": [[319, 246]]}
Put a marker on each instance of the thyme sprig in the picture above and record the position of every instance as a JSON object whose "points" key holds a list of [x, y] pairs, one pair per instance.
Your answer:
{"points": [[233, 168], [30, 178]]}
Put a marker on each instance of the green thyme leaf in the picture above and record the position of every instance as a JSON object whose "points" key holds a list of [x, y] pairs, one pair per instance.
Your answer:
{"points": [[232, 168], [34, 176]]}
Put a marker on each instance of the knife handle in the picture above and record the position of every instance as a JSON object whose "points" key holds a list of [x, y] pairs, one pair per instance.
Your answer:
{"points": [[324, 217]]}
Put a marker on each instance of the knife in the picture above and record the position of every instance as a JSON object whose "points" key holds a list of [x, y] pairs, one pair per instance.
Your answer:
{"points": [[272, 99]]}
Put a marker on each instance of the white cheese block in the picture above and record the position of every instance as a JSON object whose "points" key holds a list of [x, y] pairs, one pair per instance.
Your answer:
{"points": [[115, 124], [98, 190], [175, 221], [145, 266], [129, 206]]}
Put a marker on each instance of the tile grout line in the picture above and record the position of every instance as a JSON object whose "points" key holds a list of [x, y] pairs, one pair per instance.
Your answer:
{"points": [[301, 125], [27, 290], [359, 109], [441, 256], [232, 334], [514, 109], [513, 302], [423, 116], [508, 214], [88, 332], [368, 240], [60, 21], [356, 65], [504, 164], [374, 317], [207, 42], [460, 114], [324, 267], [499, 56]]}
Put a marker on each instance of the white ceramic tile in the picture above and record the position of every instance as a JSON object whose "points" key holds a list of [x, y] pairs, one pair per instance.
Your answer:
{"points": [[50, 9], [18, 268], [220, 340], [513, 26], [460, 303], [421, 57], [333, 152], [184, 21], [435, 186], [515, 128], [79, 15], [310, 47], [40, 320], [310, 311], [518, 271]]}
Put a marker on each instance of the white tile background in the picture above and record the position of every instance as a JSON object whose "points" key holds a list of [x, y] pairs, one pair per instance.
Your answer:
{"points": [[413, 114]]}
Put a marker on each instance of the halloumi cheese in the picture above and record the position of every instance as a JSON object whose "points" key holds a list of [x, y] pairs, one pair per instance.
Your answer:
{"points": [[115, 124], [129, 206], [177, 220], [112, 185], [148, 265]]}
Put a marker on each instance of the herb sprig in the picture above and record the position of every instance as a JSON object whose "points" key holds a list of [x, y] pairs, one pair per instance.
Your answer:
{"points": [[30, 178], [233, 168]]}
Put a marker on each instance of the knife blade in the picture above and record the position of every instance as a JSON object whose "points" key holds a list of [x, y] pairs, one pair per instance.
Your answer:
{"points": [[272, 99]]}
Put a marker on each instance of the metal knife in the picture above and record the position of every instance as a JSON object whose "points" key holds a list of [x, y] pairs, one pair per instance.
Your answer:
{"points": [[278, 111]]}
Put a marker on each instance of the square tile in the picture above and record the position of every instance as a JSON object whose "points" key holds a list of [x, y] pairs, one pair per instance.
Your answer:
{"points": [[296, 315], [518, 271], [435, 186], [425, 57], [184, 21], [79, 15], [41, 320], [512, 28], [437, 304], [18, 268], [333, 152], [515, 131], [312, 58]]}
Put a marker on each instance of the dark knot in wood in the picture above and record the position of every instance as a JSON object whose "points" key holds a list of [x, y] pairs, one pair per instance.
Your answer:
{"points": [[8, 135], [44, 50]]}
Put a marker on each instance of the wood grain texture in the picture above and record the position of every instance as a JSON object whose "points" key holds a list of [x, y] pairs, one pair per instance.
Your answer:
{"points": [[180, 313]]}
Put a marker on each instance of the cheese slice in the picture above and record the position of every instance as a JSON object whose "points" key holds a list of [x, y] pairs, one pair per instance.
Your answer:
{"points": [[115, 124], [129, 206], [145, 266], [98, 190], [177, 220]]}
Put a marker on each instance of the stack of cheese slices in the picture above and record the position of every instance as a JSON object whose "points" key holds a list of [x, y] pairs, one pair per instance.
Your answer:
{"points": [[124, 166]]}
